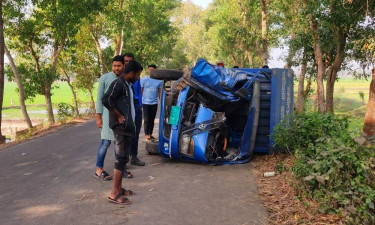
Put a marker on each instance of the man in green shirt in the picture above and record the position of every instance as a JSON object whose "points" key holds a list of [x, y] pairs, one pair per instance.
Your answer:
{"points": [[102, 116]]}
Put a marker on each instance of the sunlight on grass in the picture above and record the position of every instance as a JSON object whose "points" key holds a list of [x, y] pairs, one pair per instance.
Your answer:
{"points": [[60, 93]]}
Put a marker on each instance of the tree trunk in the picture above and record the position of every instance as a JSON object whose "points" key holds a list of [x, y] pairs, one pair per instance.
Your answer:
{"points": [[332, 72], [301, 84], [92, 100], [291, 54], [74, 99], [264, 32], [315, 103], [103, 68], [235, 61], [72, 89], [242, 65], [56, 52], [47, 96], [2, 138], [250, 58], [33, 55], [119, 40], [321, 68], [369, 123], [122, 42], [308, 87], [21, 91], [58, 47]]}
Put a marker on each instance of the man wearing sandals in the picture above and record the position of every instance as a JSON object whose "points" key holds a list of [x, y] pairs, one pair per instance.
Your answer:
{"points": [[102, 116], [119, 100]]}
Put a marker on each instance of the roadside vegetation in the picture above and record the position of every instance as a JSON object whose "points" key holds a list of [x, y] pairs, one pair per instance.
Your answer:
{"points": [[329, 166]]}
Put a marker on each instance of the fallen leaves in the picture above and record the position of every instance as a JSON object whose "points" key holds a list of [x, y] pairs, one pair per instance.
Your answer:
{"points": [[280, 198], [80, 199]]}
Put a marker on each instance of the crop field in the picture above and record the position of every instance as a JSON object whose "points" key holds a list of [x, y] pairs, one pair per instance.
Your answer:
{"points": [[36, 106], [60, 93], [348, 101]]}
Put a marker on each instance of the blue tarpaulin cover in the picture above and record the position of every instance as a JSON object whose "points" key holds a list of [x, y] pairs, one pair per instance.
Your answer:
{"points": [[226, 81]]}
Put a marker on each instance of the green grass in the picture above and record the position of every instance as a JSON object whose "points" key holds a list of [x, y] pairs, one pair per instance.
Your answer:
{"points": [[61, 93], [347, 100]]}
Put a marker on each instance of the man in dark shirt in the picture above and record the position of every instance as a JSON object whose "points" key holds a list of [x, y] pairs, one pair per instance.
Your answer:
{"points": [[119, 100], [134, 160]]}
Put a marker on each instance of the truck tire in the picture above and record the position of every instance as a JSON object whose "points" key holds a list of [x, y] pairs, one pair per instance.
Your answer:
{"points": [[166, 74], [152, 148]]}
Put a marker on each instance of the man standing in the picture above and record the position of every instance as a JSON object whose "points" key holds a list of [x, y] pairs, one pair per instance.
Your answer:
{"points": [[151, 90], [119, 100], [134, 160], [102, 116]]}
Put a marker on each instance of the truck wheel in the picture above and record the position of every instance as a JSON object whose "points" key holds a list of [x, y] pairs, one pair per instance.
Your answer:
{"points": [[166, 74], [152, 148]]}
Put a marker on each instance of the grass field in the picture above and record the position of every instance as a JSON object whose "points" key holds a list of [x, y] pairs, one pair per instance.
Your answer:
{"points": [[347, 100], [61, 93], [36, 107]]}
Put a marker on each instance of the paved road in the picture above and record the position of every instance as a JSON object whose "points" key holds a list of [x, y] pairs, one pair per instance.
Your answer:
{"points": [[49, 180]]}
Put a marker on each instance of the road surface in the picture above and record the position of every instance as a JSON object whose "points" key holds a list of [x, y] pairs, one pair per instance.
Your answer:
{"points": [[50, 180]]}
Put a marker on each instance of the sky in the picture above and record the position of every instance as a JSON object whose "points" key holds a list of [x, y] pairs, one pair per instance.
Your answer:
{"points": [[202, 3]]}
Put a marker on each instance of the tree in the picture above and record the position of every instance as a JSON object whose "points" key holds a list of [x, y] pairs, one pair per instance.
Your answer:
{"points": [[192, 42], [233, 27], [21, 92], [66, 61], [148, 38], [240, 31], [298, 38], [331, 23], [95, 28], [264, 32], [11, 13], [363, 50], [51, 25], [85, 63], [2, 43], [98, 26]]}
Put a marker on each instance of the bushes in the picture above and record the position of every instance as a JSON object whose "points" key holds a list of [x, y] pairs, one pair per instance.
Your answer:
{"points": [[64, 111], [307, 128], [330, 166]]}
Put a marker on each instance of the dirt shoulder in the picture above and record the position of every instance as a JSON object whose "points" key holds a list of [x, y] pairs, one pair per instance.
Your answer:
{"points": [[279, 196]]}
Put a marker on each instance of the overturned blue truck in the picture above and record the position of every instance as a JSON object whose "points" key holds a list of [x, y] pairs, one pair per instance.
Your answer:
{"points": [[221, 115]]}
